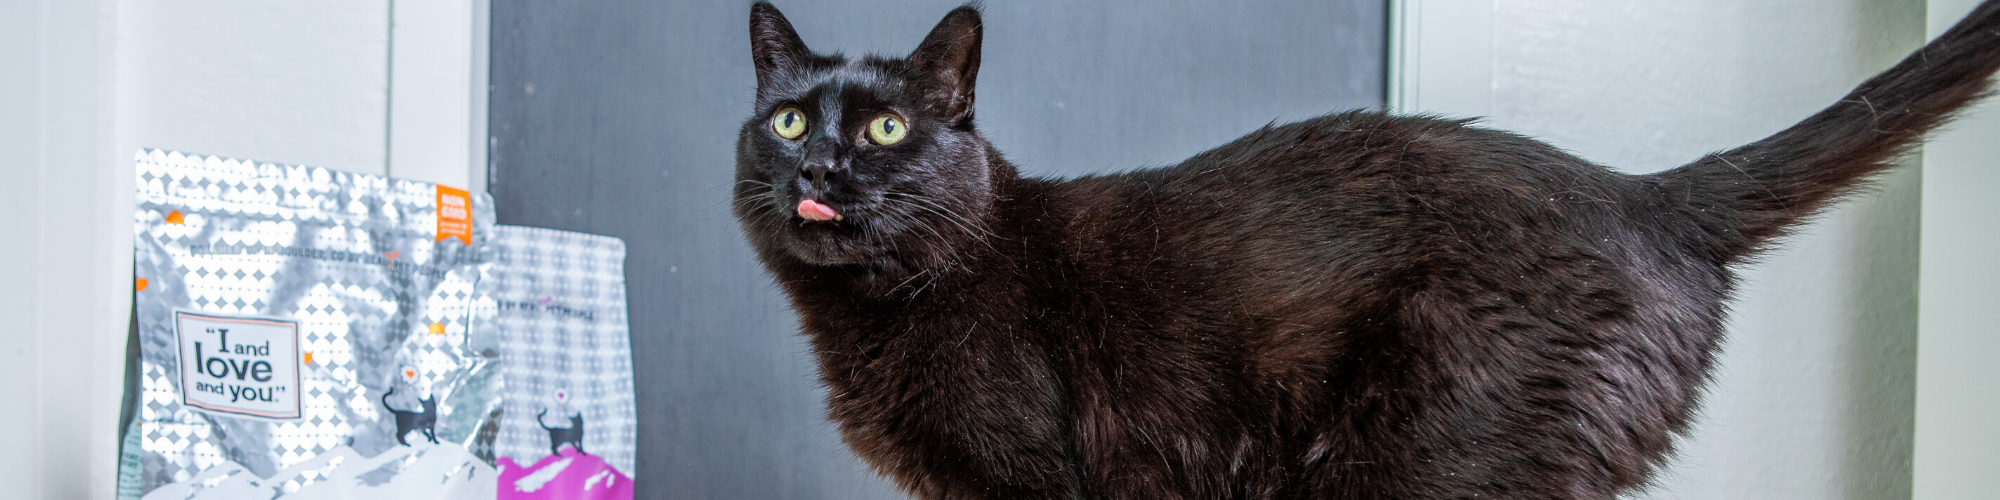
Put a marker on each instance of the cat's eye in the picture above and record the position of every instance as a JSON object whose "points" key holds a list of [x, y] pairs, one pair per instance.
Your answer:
{"points": [[789, 123], [886, 129]]}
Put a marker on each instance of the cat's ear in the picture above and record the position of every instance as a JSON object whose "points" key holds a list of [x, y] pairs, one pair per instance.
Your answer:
{"points": [[774, 46], [949, 58]]}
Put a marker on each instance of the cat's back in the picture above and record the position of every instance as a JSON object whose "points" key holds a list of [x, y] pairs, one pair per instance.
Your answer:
{"points": [[1312, 221], [1402, 273], [1362, 191], [1364, 211]]}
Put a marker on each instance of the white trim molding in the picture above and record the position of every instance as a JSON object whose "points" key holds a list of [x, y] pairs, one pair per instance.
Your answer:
{"points": [[437, 91], [1957, 444], [1441, 57]]}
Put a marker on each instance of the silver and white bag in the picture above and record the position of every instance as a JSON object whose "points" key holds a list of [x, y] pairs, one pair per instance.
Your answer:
{"points": [[308, 333]]}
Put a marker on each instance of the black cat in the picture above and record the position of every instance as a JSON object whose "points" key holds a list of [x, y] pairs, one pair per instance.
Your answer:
{"points": [[407, 421], [1353, 306], [572, 435]]}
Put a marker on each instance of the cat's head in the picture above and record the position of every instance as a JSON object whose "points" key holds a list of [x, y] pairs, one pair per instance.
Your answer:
{"points": [[869, 163]]}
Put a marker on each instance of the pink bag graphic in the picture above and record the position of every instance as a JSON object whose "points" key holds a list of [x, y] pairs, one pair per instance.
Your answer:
{"points": [[568, 475]]}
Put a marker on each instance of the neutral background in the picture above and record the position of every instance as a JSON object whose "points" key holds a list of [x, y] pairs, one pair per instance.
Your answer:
{"points": [[1812, 401], [620, 118]]}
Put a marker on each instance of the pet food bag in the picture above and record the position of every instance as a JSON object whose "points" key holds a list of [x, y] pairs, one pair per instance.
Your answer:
{"points": [[306, 333], [568, 422]]}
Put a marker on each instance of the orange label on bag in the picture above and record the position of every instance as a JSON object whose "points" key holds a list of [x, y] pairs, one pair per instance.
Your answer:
{"points": [[454, 214]]}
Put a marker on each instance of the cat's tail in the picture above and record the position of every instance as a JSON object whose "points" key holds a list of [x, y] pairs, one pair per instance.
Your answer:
{"points": [[1746, 197]]}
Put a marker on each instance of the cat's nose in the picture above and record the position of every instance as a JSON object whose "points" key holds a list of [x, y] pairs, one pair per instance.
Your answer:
{"points": [[818, 170]]}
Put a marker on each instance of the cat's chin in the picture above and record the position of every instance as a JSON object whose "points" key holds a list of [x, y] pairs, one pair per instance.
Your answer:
{"points": [[834, 248], [829, 254], [873, 269], [825, 243]]}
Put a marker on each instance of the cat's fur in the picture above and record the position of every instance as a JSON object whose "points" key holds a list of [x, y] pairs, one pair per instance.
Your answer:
{"points": [[1353, 306], [406, 421]]}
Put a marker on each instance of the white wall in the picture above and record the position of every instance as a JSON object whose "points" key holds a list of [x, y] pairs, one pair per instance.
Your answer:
{"points": [[1815, 390], [310, 82], [89, 82], [289, 82]]}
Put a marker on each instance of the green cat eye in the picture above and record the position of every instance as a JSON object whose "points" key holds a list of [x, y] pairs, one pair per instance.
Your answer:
{"points": [[789, 123], [886, 129]]}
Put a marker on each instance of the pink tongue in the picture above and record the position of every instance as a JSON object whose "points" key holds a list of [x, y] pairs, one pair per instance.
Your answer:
{"points": [[813, 210]]}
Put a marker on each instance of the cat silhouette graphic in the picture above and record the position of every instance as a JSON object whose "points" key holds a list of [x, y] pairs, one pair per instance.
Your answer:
{"points": [[559, 435], [407, 421]]}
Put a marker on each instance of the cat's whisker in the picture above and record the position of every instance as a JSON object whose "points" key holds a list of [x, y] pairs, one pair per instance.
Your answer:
{"points": [[906, 281], [768, 189], [770, 198], [949, 248], [981, 234], [749, 204], [902, 225], [948, 218], [927, 286], [747, 201], [946, 211]]}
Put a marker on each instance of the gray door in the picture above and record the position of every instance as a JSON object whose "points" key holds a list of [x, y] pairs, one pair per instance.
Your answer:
{"points": [[619, 117]]}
